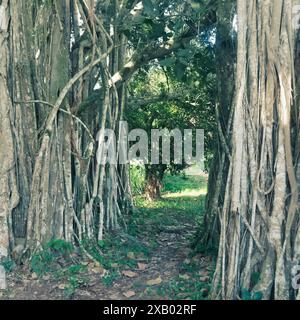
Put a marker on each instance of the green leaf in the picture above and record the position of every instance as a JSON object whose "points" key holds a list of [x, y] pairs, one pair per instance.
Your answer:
{"points": [[179, 70], [257, 295], [195, 5], [246, 295], [148, 7], [167, 62]]}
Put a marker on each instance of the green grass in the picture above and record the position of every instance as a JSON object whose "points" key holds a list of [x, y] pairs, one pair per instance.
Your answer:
{"points": [[178, 289], [184, 184], [183, 200], [182, 203]]}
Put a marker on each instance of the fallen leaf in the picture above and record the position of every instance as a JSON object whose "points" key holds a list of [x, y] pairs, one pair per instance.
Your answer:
{"points": [[129, 274], [129, 294], [203, 273], [34, 276], [62, 286], [184, 276], [204, 279], [114, 265], [130, 255], [142, 266], [154, 282], [95, 267], [97, 270]]}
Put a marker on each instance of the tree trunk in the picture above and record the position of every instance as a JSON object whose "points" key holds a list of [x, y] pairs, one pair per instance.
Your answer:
{"points": [[208, 237], [259, 218], [154, 176], [51, 183], [9, 197]]}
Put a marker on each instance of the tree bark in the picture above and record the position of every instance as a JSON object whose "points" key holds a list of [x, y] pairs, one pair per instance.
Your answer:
{"points": [[259, 219], [153, 184]]}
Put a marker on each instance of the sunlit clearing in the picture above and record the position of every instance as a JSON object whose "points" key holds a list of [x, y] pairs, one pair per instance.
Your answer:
{"points": [[186, 193]]}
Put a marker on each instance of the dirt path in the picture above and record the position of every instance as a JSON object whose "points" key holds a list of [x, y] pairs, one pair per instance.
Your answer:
{"points": [[167, 265], [168, 271]]}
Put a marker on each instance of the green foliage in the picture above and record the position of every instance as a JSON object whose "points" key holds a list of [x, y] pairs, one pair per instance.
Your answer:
{"points": [[137, 179], [183, 183], [182, 202], [50, 260], [255, 278], [191, 72], [118, 251], [9, 265], [110, 278], [181, 288], [148, 7], [44, 260], [180, 194], [247, 295], [41, 262], [75, 281], [60, 246]]}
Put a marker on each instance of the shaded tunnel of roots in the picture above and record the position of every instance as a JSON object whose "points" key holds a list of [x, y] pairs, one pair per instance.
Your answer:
{"points": [[74, 225]]}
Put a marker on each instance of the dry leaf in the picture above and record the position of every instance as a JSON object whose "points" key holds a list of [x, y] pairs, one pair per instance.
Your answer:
{"points": [[62, 286], [129, 294], [204, 279], [129, 274], [203, 273], [184, 276], [130, 255], [95, 267], [34, 276], [142, 266], [154, 282], [114, 265], [97, 270]]}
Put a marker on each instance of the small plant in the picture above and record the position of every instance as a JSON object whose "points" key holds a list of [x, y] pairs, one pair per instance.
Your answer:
{"points": [[247, 295], [60, 247], [109, 278], [137, 179], [41, 262], [8, 265], [44, 260]]}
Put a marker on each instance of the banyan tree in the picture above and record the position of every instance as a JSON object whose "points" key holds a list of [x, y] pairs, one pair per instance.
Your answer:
{"points": [[257, 207]]}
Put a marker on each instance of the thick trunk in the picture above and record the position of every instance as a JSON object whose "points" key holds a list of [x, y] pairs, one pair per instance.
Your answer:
{"points": [[259, 218], [152, 188], [9, 197], [153, 183], [51, 183], [208, 237]]}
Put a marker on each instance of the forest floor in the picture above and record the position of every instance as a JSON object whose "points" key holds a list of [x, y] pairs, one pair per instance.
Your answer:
{"points": [[154, 261]]}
